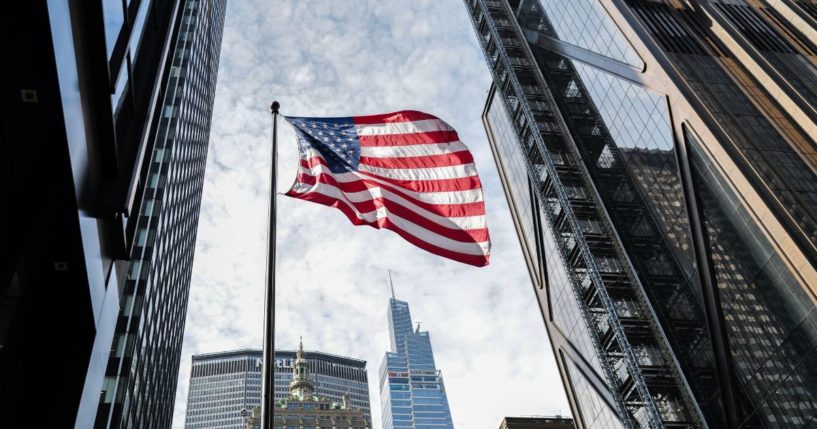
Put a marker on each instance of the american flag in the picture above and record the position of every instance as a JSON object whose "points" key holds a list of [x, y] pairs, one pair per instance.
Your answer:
{"points": [[405, 171]]}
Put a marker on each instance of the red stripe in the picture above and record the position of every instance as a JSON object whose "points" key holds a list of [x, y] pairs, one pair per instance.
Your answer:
{"points": [[445, 210], [401, 116], [409, 139], [456, 233], [441, 185], [427, 161], [385, 223]]}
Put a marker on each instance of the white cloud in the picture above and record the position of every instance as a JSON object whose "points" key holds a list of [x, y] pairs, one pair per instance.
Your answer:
{"points": [[352, 58]]}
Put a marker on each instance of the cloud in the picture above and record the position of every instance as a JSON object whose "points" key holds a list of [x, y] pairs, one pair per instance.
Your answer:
{"points": [[353, 58]]}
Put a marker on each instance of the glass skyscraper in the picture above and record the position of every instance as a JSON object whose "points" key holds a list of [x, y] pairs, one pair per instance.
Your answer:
{"points": [[659, 161], [412, 392], [102, 156], [225, 383]]}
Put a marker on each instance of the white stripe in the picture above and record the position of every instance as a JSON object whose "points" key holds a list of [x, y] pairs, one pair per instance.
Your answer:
{"points": [[472, 248], [423, 126], [433, 173], [412, 150], [449, 197], [461, 222]]}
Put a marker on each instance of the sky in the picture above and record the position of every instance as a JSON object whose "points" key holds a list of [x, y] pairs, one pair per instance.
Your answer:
{"points": [[345, 58]]}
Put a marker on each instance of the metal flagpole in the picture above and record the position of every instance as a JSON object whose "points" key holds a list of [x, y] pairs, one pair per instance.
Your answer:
{"points": [[268, 371]]}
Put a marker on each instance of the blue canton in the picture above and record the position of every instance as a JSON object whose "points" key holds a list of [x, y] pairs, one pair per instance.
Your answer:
{"points": [[334, 138]]}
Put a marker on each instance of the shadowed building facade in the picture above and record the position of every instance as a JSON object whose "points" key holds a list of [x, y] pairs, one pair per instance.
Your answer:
{"points": [[412, 392], [659, 160], [536, 423], [105, 125]]}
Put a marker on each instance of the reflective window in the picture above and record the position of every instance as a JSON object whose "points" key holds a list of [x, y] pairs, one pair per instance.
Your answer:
{"points": [[595, 412], [138, 27], [121, 85], [586, 24], [114, 16], [771, 320], [512, 164]]}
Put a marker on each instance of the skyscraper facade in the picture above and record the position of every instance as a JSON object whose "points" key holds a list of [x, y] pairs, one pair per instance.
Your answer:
{"points": [[412, 392], [140, 381], [659, 162], [103, 155], [225, 387]]}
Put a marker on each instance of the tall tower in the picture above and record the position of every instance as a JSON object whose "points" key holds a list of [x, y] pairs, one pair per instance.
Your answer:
{"points": [[102, 154], [140, 381], [659, 162], [301, 387], [412, 392]]}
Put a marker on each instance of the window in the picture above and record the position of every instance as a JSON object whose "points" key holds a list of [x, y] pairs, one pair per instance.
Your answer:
{"points": [[114, 16]]}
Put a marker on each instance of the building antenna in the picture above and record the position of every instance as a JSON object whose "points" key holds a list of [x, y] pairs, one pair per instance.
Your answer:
{"points": [[391, 283]]}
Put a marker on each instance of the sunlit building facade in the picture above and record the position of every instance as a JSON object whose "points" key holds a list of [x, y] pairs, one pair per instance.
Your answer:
{"points": [[225, 387], [412, 392], [659, 160], [337, 378], [304, 407]]}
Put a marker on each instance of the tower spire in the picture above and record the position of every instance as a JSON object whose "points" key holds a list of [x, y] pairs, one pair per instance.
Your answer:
{"points": [[301, 385], [391, 283]]}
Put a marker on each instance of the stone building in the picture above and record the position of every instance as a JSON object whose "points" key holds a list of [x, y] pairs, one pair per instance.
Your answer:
{"points": [[305, 409]]}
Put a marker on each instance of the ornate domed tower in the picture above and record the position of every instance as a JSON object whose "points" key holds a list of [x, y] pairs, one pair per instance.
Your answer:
{"points": [[301, 386], [306, 409]]}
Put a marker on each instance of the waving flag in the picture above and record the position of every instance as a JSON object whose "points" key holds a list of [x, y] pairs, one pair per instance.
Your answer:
{"points": [[405, 171]]}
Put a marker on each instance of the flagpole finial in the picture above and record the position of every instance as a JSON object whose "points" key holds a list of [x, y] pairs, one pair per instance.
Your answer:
{"points": [[274, 107]]}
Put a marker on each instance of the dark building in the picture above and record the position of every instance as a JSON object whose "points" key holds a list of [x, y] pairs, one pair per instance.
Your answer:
{"points": [[106, 113], [225, 387], [536, 423], [659, 160]]}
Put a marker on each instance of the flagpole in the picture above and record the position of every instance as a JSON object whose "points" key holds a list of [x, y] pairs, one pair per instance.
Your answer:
{"points": [[268, 370]]}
